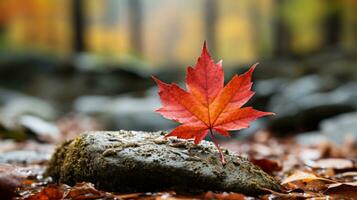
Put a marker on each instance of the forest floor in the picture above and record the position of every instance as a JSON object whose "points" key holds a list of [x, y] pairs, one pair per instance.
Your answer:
{"points": [[320, 171]]}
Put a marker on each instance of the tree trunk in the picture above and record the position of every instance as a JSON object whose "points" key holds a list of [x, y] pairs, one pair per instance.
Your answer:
{"points": [[211, 7], [135, 25], [281, 38], [78, 26]]}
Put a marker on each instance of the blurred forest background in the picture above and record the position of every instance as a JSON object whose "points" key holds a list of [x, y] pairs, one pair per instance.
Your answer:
{"points": [[94, 59], [162, 32]]}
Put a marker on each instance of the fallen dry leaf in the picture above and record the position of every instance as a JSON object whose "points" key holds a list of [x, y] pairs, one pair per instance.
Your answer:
{"points": [[266, 165], [224, 196], [292, 195], [306, 181], [51, 192], [332, 163], [129, 196], [310, 154], [346, 176], [84, 191], [342, 190], [303, 176]]}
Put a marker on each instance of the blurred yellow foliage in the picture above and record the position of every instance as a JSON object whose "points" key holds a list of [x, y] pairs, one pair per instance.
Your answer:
{"points": [[173, 31], [303, 17], [40, 24]]}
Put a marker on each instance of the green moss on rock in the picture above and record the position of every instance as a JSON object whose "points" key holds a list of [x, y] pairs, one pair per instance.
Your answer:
{"points": [[146, 161]]}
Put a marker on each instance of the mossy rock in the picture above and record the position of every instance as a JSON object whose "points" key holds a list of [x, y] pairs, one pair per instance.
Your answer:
{"points": [[132, 161]]}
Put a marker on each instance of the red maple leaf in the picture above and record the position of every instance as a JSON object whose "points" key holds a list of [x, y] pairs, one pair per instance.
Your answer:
{"points": [[207, 104]]}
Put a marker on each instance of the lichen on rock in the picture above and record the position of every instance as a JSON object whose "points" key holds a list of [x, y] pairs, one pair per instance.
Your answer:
{"points": [[133, 161]]}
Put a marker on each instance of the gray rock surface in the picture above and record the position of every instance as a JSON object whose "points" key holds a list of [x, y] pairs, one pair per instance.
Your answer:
{"points": [[13, 109], [126, 111], [269, 87], [285, 103], [311, 138], [340, 128], [305, 102], [41, 129], [146, 161], [24, 157]]}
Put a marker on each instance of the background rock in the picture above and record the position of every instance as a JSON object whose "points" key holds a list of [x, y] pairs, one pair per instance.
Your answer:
{"points": [[341, 128]]}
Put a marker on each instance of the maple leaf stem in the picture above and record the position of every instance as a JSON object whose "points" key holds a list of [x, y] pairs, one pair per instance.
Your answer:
{"points": [[217, 145]]}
